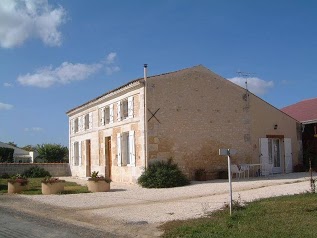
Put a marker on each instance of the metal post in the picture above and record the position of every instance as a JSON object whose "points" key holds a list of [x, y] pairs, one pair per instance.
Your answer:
{"points": [[230, 185], [145, 119]]}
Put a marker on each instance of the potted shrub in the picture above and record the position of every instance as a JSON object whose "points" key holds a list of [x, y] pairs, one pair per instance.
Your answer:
{"points": [[17, 184], [98, 183], [201, 175], [51, 185]]}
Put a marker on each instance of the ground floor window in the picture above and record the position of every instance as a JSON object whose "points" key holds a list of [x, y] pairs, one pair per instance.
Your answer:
{"points": [[126, 149]]}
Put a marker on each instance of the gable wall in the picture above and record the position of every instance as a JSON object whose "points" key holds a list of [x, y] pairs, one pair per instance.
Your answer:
{"points": [[264, 117], [199, 113]]}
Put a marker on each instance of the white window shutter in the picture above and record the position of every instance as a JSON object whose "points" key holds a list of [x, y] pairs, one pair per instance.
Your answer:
{"points": [[90, 121], [131, 148], [111, 113], [119, 111], [72, 126], [80, 123], [82, 128], [102, 113], [130, 107], [288, 155], [119, 149], [73, 153], [79, 153]]}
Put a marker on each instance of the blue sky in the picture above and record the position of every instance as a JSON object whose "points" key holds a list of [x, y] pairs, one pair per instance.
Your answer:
{"points": [[56, 55]]}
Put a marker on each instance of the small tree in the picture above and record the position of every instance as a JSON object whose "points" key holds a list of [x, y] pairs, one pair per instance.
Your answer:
{"points": [[6, 155], [12, 143], [52, 153], [29, 148]]}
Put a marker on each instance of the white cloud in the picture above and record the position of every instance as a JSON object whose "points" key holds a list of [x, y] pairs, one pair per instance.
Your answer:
{"points": [[255, 85], [4, 106], [63, 74], [112, 69], [24, 19], [8, 84], [67, 72], [111, 65], [111, 58], [33, 129]]}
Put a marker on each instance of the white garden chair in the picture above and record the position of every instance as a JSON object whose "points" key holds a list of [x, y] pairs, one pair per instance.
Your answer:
{"points": [[236, 170]]}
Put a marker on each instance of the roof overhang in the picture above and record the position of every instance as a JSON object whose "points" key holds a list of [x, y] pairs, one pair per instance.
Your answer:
{"points": [[309, 122], [128, 86]]}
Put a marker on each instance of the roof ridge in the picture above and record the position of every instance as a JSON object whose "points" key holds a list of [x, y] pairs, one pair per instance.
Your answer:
{"points": [[130, 82], [308, 99]]}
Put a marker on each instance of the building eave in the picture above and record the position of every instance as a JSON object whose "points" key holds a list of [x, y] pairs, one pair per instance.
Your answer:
{"points": [[103, 97]]}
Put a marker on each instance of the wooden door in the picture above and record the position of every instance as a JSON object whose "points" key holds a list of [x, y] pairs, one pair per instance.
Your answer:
{"points": [[88, 158], [108, 156]]}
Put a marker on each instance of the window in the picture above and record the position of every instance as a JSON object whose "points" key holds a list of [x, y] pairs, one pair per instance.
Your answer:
{"points": [[125, 108], [87, 121], [126, 149], [106, 114]]}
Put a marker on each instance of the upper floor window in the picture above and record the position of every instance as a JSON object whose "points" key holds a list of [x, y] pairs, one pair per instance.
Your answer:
{"points": [[81, 123], [87, 121], [106, 115], [125, 108]]}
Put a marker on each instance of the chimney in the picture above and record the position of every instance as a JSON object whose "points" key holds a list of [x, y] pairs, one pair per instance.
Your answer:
{"points": [[145, 71]]}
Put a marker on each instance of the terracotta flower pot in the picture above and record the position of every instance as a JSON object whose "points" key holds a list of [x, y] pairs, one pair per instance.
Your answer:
{"points": [[98, 186], [16, 187], [52, 188]]}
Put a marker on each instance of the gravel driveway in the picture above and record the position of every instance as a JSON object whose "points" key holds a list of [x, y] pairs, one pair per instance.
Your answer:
{"points": [[130, 206]]}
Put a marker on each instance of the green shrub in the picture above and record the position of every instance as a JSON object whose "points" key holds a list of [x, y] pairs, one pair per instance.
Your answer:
{"points": [[5, 176], [6, 155], [162, 175], [36, 172]]}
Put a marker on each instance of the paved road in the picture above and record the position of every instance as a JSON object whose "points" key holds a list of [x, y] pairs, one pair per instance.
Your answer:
{"points": [[15, 224]]}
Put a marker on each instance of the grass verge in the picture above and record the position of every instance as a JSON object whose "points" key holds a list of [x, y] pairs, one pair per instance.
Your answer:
{"points": [[34, 187], [287, 216]]}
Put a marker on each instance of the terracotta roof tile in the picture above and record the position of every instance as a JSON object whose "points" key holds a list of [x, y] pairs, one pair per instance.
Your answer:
{"points": [[305, 110]]}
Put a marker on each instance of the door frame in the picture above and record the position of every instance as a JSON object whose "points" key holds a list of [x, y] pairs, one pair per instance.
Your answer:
{"points": [[108, 157], [88, 158]]}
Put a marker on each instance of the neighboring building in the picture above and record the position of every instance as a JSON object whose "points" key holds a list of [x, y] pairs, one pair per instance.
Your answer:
{"points": [[20, 155], [187, 115], [306, 112]]}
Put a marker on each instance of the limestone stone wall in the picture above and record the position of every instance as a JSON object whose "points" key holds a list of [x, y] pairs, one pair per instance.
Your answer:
{"points": [[55, 169], [98, 134], [198, 112]]}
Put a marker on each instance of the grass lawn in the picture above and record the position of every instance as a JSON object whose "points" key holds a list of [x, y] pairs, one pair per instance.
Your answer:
{"points": [[35, 187], [287, 216]]}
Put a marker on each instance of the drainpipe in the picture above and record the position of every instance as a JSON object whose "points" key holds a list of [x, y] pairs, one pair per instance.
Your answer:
{"points": [[145, 119]]}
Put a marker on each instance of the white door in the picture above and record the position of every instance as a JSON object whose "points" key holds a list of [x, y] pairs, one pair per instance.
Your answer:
{"points": [[288, 155], [265, 159]]}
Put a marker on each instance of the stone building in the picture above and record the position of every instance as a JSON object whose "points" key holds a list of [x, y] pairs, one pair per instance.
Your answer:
{"points": [[186, 115]]}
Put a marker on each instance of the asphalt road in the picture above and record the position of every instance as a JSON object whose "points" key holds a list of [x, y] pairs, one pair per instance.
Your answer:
{"points": [[16, 224]]}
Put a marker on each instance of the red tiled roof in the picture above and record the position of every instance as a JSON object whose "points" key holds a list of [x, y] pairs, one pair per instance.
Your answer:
{"points": [[303, 111]]}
